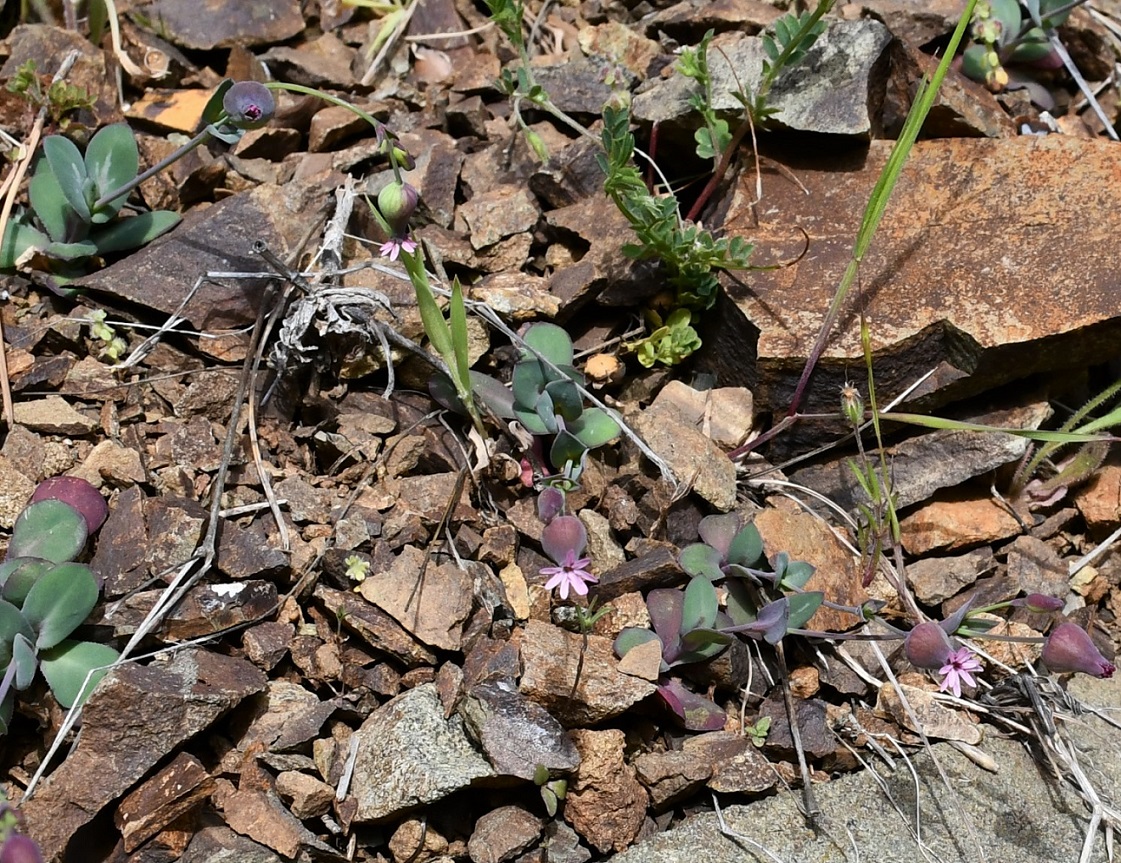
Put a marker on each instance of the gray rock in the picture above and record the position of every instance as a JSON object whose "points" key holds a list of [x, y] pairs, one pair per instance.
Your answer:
{"points": [[227, 23], [515, 733], [409, 755], [1018, 814], [219, 844], [926, 463], [934, 579], [836, 88]]}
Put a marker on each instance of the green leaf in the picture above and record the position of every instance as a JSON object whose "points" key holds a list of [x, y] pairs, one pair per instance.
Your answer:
{"points": [[70, 251], [701, 605], [566, 448], [632, 637], [132, 233], [51, 206], [747, 546], [457, 320], [797, 573], [69, 170], [566, 398], [802, 608], [18, 238], [23, 655], [739, 606], [12, 623], [65, 667], [59, 602], [18, 574], [213, 111], [551, 341], [701, 559], [112, 159], [594, 428], [49, 529]]}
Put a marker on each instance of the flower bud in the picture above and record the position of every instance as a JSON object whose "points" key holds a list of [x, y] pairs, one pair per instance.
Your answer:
{"points": [[852, 405], [396, 203], [562, 535], [249, 105], [1038, 603], [927, 646], [550, 503], [20, 849], [1069, 648]]}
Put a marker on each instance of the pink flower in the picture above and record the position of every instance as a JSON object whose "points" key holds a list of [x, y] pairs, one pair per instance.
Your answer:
{"points": [[570, 575], [395, 245], [959, 668], [1069, 648]]}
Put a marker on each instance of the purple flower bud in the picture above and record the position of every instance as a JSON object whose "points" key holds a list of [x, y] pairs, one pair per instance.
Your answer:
{"points": [[20, 849], [927, 646], [550, 503], [563, 536], [396, 203], [249, 105], [1038, 603], [1069, 648]]}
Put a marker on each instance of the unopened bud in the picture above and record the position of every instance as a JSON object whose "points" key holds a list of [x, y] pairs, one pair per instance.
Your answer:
{"points": [[852, 405], [927, 646], [249, 105], [396, 203], [19, 849], [1038, 603], [1069, 648]]}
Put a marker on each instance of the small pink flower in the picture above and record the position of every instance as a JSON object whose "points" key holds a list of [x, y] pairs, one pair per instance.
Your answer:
{"points": [[960, 666], [570, 575], [395, 246]]}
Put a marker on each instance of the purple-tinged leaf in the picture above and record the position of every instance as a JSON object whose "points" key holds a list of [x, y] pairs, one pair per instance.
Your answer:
{"points": [[798, 572], [741, 608], [719, 531], [78, 493], [550, 503], [665, 606], [770, 624], [695, 711]]}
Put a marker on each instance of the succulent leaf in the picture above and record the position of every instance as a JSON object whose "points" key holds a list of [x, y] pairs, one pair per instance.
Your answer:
{"points": [[746, 548], [12, 623], [135, 231], [700, 605], [701, 559], [632, 637], [802, 608], [69, 170], [65, 667], [112, 159], [23, 656], [550, 341], [665, 606], [50, 204], [59, 602], [49, 529], [18, 574], [594, 428], [720, 531], [695, 711]]}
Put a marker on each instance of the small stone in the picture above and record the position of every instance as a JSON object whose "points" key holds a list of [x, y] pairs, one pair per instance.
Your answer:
{"points": [[307, 796], [502, 834], [498, 213], [516, 734], [934, 579], [603, 548], [689, 453], [15, 492], [53, 415], [737, 765], [1099, 500], [550, 656], [643, 661], [416, 841], [671, 776], [331, 126], [305, 502], [109, 461], [723, 414], [266, 643], [176, 789], [606, 804], [954, 523], [936, 720], [227, 22]]}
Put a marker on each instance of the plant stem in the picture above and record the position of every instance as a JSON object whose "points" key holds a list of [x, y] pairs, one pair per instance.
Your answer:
{"points": [[165, 162]]}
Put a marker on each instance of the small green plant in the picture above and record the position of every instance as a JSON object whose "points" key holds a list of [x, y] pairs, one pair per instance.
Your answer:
{"points": [[668, 343], [58, 97], [68, 223], [1005, 36], [113, 346], [758, 731], [547, 400], [552, 790], [45, 595]]}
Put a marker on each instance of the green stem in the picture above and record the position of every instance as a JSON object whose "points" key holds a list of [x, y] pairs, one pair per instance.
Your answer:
{"points": [[165, 162]]}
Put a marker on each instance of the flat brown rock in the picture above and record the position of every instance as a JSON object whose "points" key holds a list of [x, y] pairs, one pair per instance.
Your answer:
{"points": [[963, 276]]}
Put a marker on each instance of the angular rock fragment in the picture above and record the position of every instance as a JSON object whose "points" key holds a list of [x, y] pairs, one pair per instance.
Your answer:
{"points": [[410, 755], [516, 734]]}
